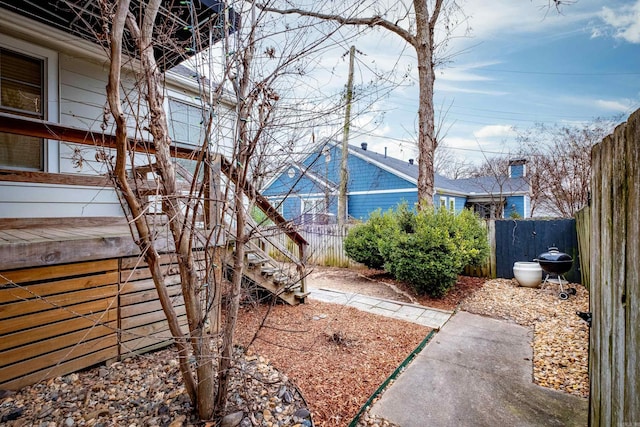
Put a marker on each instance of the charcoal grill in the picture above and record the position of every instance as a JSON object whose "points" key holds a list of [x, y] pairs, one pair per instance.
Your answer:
{"points": [[557, 263]]}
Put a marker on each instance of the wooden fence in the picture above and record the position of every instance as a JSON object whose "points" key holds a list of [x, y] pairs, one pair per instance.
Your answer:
{"points": [[326, 247], [615, 278], [56, 320], [525, 239], [583, 230]]}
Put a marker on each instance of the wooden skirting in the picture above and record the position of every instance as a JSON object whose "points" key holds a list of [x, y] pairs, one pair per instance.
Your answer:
{"points": [[58, 319]]}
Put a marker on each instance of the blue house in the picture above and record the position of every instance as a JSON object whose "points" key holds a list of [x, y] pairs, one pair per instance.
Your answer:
{"points": [[307, 191]]}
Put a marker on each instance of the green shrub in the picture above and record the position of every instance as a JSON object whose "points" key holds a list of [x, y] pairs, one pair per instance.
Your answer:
{"points": [[362, 241], [441, 245]]}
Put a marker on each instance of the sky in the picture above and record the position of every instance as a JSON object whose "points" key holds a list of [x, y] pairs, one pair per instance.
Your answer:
{"points": [[520, 64]]}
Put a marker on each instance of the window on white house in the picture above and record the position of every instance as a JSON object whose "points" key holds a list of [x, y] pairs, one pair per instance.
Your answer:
{"points": [[186, 122], [22, 93]]}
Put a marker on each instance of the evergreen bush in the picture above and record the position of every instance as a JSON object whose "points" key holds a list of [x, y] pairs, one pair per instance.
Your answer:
{"points": [[363, 241]]}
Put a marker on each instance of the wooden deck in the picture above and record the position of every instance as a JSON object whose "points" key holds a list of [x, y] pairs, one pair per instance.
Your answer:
{"points": [[75, 294], [40, 243]]}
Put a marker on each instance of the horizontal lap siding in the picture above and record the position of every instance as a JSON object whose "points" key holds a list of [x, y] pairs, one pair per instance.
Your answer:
{"points": [[55, 320], [361, 205]]}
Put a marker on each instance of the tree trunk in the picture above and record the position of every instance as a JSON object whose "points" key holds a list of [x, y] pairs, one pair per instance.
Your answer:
{"points": [[180, 230], [144, 240], [423, 44]]}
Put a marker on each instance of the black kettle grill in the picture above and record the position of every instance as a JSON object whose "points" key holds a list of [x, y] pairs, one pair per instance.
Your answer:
{"points": [[557, 263]]}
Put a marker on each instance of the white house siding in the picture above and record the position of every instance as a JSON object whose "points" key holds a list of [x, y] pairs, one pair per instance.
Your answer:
{"points": [[77, 80], [28, 200]]}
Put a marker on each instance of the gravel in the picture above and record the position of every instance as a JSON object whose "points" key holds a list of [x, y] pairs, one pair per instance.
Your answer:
{"points": [[147, 391], [561, 338], [326, 350]]}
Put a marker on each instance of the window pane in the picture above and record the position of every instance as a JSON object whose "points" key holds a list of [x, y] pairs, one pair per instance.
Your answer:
{"points": [[21, 92], [22, 152], [185, 123], [21, 82]]}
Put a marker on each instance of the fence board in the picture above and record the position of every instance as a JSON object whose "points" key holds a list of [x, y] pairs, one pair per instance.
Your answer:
{"points": [[583, 231], [26, 275], [52, 318], [74, 365], [631, 293], [524, 240], [614, 270]]}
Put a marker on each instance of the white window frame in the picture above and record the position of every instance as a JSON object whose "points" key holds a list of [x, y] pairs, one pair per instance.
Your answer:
{"points": [[51, 148], [313, 200], [198, 140]]}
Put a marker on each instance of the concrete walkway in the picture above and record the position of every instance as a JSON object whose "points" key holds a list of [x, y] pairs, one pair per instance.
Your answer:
{"points": [[476, 371], [421, 315]]}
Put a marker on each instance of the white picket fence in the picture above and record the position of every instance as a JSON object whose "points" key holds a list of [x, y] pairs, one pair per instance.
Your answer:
{"points": [[325, 244]]}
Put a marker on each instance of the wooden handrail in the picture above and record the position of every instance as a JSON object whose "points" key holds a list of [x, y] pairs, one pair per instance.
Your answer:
{"points": [[263, 203], [28, 126]]}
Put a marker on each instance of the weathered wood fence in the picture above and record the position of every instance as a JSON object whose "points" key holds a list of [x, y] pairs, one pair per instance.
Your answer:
{"points": [[615, 278], [509, 241], [325, 244], [583, 230]]}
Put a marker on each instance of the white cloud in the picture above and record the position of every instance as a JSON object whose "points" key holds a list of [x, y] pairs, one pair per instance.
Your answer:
{"points": [[444, 87], [500, 17], [625, 21], [492, 131], [462, 76], [613, 105]]}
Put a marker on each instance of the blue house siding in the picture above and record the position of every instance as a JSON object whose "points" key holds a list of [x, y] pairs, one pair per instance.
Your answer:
{"points": [[459, 201], [294, 185], [371, 186], [361, 205], [363, 176]]}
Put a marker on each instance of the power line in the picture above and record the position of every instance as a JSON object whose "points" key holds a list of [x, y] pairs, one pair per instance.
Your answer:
{"points": [[558, 73]]}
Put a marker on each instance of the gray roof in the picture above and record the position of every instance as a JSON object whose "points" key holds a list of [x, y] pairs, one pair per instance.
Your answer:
{"points": [[471, 186]]}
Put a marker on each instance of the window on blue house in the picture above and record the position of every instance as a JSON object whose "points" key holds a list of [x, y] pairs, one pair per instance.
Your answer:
{"points": [[315, 211]]}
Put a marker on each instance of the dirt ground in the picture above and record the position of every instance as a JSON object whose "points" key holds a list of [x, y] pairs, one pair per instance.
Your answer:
{"points": [[377, 283]]}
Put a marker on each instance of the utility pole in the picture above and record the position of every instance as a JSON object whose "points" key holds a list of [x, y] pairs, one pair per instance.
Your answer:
{"points": [[344, 173]]}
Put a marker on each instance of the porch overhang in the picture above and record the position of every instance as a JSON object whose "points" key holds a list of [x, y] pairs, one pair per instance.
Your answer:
{"points": [[179, 24]]}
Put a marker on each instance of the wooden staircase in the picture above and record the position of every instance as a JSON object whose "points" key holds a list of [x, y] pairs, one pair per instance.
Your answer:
{"points": [[283, 279]]}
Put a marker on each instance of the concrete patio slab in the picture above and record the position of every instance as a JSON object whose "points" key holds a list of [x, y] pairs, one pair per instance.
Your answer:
{"points": [[477, 371]]}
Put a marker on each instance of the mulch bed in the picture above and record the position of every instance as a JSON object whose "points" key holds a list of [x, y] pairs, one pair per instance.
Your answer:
{"points": [[338, 356]]}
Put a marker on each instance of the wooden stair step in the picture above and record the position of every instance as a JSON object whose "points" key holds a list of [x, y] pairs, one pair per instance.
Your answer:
{"points": [[145, 169], [293, 288], [301, 295], [270, 271], [254, 261], [281, 279]]}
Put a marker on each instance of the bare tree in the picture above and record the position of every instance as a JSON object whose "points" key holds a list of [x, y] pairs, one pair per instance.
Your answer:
{"points": [[199, 388], [416, 24], [559, 164], [257, 76]]}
